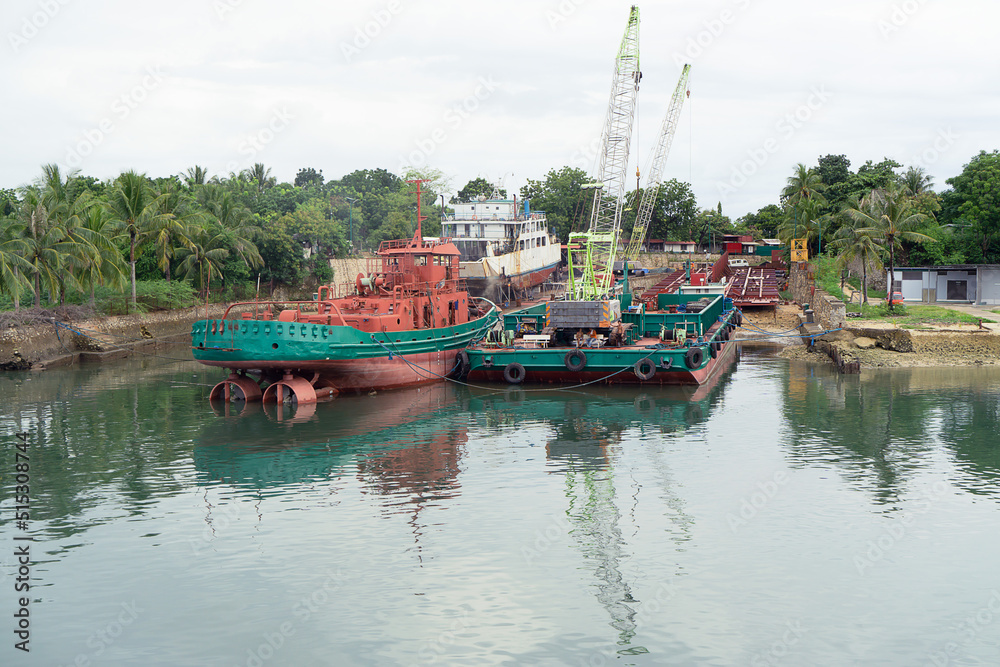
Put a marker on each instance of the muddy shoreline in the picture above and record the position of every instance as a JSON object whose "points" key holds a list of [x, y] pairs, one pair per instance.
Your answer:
{"points": [[876, 343], [64, 343], [50, 345]]}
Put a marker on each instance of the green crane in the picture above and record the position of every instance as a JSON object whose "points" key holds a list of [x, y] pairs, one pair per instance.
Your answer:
{"points": [[593, 251]]}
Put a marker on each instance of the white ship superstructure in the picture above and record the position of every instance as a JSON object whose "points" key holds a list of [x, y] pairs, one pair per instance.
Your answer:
{"points": [[503, 243]]}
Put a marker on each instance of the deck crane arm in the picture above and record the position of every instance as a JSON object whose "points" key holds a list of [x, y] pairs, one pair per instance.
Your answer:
{"points": [[593, 251], [654, 178]]}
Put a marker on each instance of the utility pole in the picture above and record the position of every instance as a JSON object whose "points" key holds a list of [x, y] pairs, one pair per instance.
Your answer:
{"points": [[350, 215]]}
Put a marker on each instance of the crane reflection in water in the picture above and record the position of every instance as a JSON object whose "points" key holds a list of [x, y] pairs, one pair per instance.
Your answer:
{"points": [[588, 430]]}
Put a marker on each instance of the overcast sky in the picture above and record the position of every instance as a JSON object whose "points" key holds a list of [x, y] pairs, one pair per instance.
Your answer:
{"points": [[494, 89]]}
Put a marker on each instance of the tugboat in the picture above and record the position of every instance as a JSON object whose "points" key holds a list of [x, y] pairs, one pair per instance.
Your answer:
{"points": [[400, 325]]}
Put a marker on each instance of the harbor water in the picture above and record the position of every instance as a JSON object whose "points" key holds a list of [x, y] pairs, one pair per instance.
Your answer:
{"points": [[783, 515]]}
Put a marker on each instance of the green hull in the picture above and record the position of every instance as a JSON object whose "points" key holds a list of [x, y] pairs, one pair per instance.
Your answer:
{"points": [[645, 359], [345, 357]]}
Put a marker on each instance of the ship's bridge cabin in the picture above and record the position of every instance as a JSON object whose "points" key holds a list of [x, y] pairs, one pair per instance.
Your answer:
{"points": [[433, 263], [497, 225]]}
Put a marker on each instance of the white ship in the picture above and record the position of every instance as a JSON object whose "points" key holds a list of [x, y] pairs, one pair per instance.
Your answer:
{"points": [[506, 247]]}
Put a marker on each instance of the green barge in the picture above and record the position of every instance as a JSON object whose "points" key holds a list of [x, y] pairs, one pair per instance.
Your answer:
{"points": [[686, 340]]}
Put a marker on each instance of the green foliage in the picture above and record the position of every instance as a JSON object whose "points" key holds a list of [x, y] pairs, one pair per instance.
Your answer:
{"points": [[312, 227], [8, 202], [321, 270], [762, 224], [150, 295], [81, 233], [561, 195], [828, 277], [396, 226], [885, 309], [709, 227], [675, 214], [281, 199], [375, 193], [475, 188], [309, 177], [973, 206], [939, 315]]}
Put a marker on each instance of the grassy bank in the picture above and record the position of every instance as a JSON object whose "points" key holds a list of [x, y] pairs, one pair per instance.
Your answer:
{"points": [[828, 279]]}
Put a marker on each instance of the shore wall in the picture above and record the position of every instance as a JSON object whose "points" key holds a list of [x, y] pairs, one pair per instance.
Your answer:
{"points": [[346, 270], [48, 345], [831, 312]]}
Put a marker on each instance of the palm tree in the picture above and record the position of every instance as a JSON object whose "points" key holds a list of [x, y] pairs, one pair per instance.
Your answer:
{"points": [[195, 175], [807, 224], [172, 229], [853, 242], [236, 219], [67, 207], [106, 265], [48, 247], [260, 175], [13, 266], [135, 211], [803, 193], [889, 216], [205, 254], [916, 182]]}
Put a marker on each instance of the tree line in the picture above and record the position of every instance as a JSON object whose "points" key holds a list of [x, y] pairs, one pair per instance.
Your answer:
{"points": [[68, 236], [880, 215]]}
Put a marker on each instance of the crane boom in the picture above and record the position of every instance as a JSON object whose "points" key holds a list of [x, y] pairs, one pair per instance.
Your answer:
{"points": [[595, 248], [654, 178]]}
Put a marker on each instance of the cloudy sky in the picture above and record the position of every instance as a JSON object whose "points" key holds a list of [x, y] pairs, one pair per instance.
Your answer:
{"points": [[504, 90]]}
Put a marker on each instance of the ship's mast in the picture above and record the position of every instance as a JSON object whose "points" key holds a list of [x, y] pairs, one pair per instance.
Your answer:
{"points": [[594, 249], [418, 238]]}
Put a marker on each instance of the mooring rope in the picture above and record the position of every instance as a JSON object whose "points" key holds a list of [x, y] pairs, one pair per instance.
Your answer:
{"points": [[474, 386], [121, 347]]}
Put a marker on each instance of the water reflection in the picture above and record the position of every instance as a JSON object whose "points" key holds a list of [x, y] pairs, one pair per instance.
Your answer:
{"points": [[586, 430], [883, 428], [397, 442], [111, 434]]}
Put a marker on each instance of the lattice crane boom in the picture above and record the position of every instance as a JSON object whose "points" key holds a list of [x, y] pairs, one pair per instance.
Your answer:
{"points": [[594, 250], [654, 178]]}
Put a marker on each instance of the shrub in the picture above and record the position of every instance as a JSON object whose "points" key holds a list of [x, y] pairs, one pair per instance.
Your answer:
{"points": [[149, 295], [884, 310]]}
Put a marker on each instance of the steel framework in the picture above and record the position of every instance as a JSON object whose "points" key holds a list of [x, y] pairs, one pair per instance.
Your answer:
{"points": [[654, 176], [593, 251]]}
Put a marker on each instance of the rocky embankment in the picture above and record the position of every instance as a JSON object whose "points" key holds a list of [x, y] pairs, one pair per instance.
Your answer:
{"points": [[52, 341], [876, 344]]}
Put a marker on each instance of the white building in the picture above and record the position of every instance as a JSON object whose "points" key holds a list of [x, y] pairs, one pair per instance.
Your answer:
{"points": [[963, 283]]}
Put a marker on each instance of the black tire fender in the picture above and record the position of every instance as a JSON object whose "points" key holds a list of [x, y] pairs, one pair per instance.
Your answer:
{"points": [[644, 369], [575, 360], [513, 373], [462, 365], [693, 357]]}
